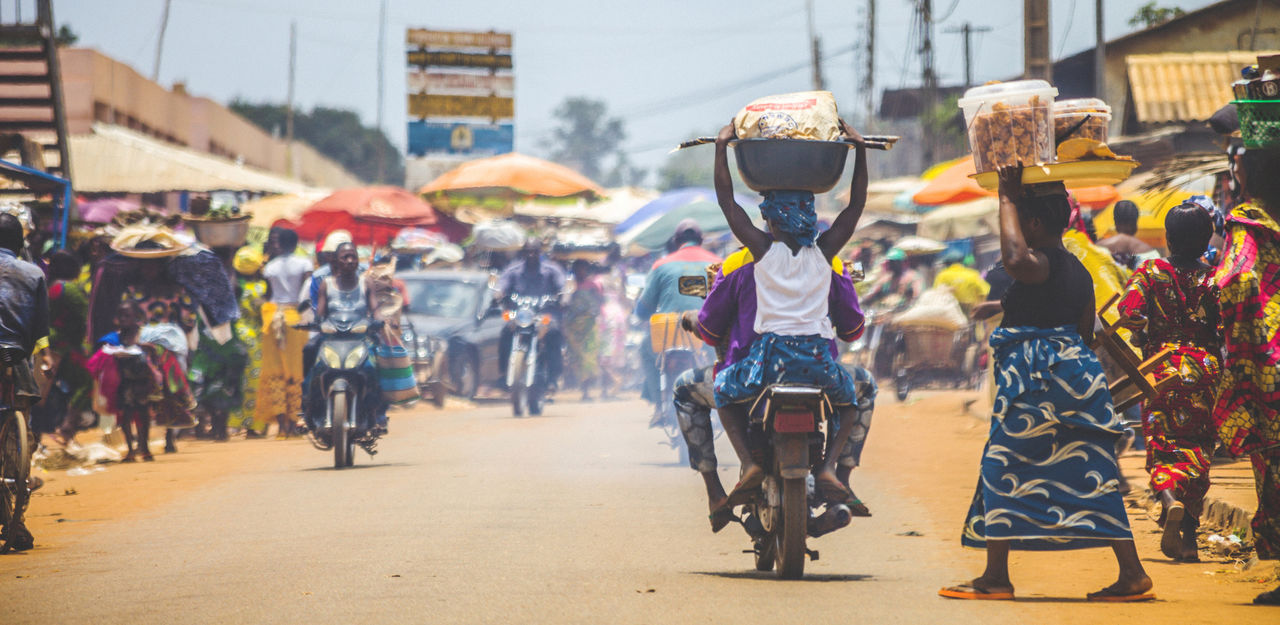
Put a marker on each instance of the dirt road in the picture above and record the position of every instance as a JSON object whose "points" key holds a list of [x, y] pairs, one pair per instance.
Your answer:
{"points": [[467, 515]]}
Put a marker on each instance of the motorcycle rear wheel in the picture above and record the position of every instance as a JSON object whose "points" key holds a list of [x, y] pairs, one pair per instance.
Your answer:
{"points": [[791, 551], [519, 392], [341, 433], [766, 553], [15, 468]]}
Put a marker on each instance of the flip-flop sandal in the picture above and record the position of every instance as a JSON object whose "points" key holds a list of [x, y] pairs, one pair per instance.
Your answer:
{"points": [[968, 591], [743, 491], [858, 508], [1108, 596], [720, 518], [1171, 541]]}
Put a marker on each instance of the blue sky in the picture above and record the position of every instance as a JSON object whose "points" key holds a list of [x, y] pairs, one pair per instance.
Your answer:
{"points": [[668, 67]]}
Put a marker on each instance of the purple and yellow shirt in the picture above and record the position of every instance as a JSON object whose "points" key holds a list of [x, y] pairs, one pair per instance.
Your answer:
{"points": [[729, 313]]}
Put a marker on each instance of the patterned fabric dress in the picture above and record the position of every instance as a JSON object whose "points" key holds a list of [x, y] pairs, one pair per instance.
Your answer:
{"points": [[253, 292], [1247, 412], [582, 325], [1049, 476], [1180, 311]]}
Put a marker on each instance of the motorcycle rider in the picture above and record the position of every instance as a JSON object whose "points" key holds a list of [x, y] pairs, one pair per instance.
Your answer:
{"points": [[344, 292], [24, 327], [530, 275], [726, 321], [662, 291], [793, 278]]}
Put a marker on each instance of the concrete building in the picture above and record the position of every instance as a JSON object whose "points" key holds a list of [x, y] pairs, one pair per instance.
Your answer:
{"points": [[101, 90]]}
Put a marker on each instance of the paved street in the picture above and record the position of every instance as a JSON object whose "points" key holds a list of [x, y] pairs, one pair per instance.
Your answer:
{"points": [[468, 515]]}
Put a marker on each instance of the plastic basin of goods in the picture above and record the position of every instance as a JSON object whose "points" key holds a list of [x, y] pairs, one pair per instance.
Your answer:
{"points": [[220, 233], [791, 164]]}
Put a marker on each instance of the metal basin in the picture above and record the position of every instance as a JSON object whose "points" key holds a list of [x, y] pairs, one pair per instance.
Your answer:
{"points": [[791, 164]]}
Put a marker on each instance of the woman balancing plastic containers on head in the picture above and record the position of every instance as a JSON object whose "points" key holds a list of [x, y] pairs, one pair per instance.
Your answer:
{"points": [[1172, 303], [793, 280], [1048, 476]]}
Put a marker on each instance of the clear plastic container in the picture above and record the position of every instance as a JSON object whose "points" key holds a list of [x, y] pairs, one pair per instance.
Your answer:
{"points": [[1083, 117], [1010, 122]]}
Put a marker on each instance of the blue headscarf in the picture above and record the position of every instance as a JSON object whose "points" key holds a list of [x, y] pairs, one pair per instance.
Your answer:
{"points": [[793, 213]]}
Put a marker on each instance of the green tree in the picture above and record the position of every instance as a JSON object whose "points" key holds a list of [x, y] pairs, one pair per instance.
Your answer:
{"points": [[586, 137], [1149, 15], [335, 133]]}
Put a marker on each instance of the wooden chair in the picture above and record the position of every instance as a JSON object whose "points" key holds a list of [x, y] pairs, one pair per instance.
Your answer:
{"points": [[1138, 382]]}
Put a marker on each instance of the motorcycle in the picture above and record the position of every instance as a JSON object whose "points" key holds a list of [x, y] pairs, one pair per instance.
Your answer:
{"points": [[787, 438], [677, 350], [342, 373], [528, 319]]}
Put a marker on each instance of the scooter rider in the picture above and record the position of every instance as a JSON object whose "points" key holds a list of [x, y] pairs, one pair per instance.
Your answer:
{"points": [[726, 321], [532, 276], [345, 294]]}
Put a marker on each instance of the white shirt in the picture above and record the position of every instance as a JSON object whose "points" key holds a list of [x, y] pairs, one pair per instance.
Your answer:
{"points": [[792, 292], [285, 274]]}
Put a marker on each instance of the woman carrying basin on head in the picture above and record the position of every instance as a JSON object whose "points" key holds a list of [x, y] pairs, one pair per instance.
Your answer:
{"points": [[1048, 478]]}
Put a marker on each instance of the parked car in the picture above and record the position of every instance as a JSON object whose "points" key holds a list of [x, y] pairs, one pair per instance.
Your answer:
{"points": [[452, 311]]}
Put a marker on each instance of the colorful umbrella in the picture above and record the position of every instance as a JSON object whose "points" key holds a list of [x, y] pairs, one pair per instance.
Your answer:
{"points": [[373, 215], [706, 213], [267, 210], [677, 199], [515, 174], [102, 210], [951, 185]]}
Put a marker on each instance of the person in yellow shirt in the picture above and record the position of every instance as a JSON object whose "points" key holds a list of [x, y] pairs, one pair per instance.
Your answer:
{"points": [[964, 281]]}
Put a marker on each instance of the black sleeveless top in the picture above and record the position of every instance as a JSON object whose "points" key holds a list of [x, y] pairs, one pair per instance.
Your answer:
{"points": [[1058, 301]]}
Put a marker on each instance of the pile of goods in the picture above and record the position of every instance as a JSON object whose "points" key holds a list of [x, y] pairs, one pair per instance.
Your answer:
{"points": [[1010, 122], [1019, 122], [1258, 103], [809, 115], [1082, 118]]}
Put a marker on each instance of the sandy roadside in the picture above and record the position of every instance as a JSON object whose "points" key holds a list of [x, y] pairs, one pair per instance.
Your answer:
{"points": [[937, 442]]}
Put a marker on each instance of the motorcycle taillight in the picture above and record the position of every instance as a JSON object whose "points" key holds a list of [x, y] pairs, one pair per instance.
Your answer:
{"points": [[789, 421]]}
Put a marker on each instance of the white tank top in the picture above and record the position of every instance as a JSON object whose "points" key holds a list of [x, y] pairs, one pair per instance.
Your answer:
{"points": [[792, 292]]}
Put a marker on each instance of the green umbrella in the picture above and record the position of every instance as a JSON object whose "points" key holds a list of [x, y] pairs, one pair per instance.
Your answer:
{"points": [[707, 214]]}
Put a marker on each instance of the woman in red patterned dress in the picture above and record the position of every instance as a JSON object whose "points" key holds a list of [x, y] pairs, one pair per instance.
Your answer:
{"points": [[1173, 304]]}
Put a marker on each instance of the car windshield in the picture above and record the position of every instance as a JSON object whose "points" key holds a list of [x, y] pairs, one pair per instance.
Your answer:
{"points": [[441, 298]]}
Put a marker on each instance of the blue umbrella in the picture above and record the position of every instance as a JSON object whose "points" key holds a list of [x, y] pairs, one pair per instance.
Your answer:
{"points": [[672, 200]]}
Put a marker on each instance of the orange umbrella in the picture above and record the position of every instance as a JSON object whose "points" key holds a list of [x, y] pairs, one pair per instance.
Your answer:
{"points": [[951, 186], [523, 175]]}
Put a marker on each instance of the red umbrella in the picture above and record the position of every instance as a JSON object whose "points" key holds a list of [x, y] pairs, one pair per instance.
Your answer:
{"points": [[373, 215]]}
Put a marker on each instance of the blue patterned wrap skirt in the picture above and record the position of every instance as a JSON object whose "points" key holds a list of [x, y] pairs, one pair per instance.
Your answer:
{"points": [[777, 359], [1049, 475]]}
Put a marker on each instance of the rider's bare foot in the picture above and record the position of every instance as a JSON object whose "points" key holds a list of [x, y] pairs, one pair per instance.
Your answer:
{"points": [[721, 514]]}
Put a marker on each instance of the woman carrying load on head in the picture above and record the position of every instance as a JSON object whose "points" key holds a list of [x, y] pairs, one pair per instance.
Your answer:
{"points": [[1048, 477], [1247, 411], [1173, 304]]}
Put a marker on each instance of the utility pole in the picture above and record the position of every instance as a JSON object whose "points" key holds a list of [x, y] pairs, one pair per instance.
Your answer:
{"points": [[1035, 40], [288, 114], [928, 78], [869, 80], [815, 48], [1099, 54], [164, 25], [967, 31], [382, 36]]}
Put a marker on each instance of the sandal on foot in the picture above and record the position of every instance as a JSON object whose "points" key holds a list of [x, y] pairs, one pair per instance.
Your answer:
{"points": [[1171, 541], [1106, 594], [747, 486], [971, 592], [720, 518]]}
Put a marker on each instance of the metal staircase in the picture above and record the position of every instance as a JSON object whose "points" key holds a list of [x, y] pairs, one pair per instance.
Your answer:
{"points": [[32, 114]]}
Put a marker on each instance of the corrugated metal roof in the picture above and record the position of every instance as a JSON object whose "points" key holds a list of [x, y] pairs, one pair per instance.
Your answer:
{"points": [[1184, 86], [116, 160]]}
